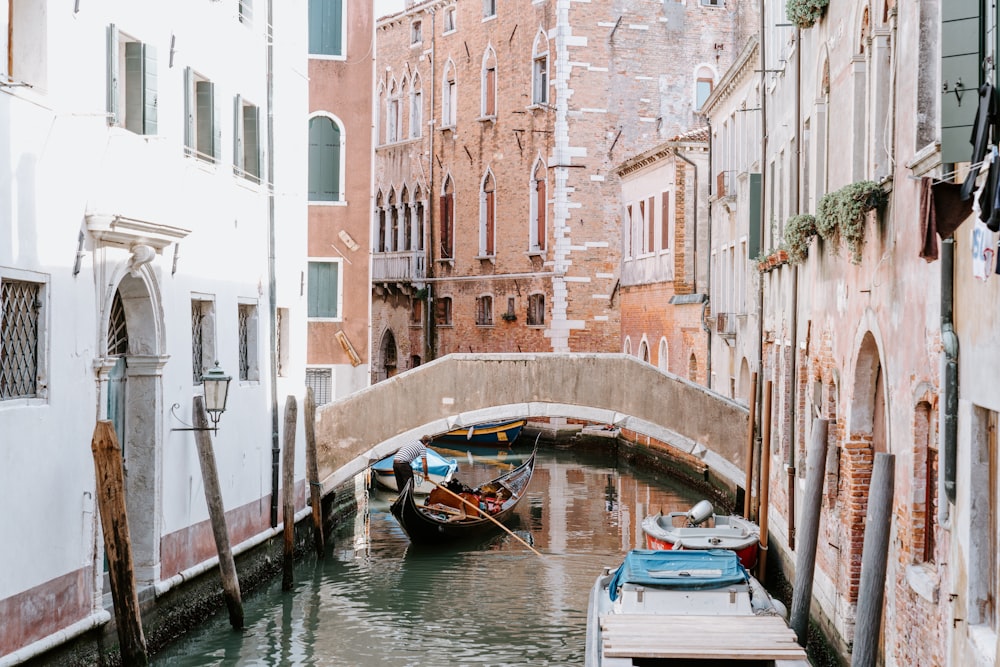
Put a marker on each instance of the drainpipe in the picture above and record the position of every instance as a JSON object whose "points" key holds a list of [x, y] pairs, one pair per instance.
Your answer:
{"points": [[794, 324], [431, 338], [271, 283], [949, 340], [704, 304], [763, 217]]}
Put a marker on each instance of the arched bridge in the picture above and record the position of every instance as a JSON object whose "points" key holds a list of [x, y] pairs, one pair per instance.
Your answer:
{"points": [[464, 389]]}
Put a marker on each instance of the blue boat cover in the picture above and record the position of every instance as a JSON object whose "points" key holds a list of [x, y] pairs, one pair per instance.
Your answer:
{"points": [[685, 570], [436, 464]]}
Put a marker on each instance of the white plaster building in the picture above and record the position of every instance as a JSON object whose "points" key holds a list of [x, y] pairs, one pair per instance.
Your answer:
{"points": [[137, 219]]}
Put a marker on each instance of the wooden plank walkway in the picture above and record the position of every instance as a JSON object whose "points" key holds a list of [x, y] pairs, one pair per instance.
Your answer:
{"points": [[718, 637]]}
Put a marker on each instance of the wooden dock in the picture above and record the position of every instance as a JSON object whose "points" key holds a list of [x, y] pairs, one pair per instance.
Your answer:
{"points": [[699, 637]]}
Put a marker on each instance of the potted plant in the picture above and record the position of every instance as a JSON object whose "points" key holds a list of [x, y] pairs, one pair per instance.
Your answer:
{"points": [[842, 214], [799, 233], [761, 262], [805, 13], [508, 316]]}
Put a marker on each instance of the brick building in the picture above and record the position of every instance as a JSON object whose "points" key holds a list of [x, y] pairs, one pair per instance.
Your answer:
{"points": [[497, 214]]}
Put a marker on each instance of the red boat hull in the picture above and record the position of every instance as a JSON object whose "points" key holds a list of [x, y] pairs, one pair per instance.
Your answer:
{"points": [[747, 555]]}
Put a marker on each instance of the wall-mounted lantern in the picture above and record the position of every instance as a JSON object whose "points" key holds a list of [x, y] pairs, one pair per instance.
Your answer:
{"points": [[216, 387]]}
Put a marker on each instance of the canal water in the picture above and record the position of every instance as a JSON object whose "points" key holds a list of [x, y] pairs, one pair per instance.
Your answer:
{"points": [[378, 600]]}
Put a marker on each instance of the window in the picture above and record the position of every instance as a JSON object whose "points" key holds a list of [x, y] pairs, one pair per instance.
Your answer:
{"points": [[392, 116], [447, 218], [246, 12], [202, 131], [320, 380], [202, 337], [489, 94], [665, 220], [484, 311], [416, 311], [662, 358], [713, 3], [983, 554], [487, 216], [416, 33], [132, 100], [247, 344], [489, 8], [704, 84], [326, 27], [324, 289], [536, 310], [644, 351], [406, 221], [20, 330], [449, 96], [449, 19], [925, 505], [246, 140], [442, 311], [418, 223], [540, 70], [380, 220], [326, 153], [537, 194], [416, 108]]}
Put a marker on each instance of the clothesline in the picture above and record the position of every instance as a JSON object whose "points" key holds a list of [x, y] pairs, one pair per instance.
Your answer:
{"points": [[946, 178]]}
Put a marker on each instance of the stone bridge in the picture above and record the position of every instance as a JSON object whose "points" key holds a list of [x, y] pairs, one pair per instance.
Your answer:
{"points": [[464, 389]]}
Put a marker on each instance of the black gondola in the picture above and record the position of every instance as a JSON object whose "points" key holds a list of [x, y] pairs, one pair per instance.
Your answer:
{"points": [[435, 521]]}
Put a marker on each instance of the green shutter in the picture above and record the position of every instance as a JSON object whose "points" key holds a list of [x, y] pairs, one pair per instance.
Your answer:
{"points": [[315, 25], [961, 55], [133, 87], [753, 244], [324, 160], [112, 74], [326, 27], [251, 140], [332, 154], [216, 128], [323, 287], [336, 28], [204, 99], [315, 159], [238, 132], [150, 100]]}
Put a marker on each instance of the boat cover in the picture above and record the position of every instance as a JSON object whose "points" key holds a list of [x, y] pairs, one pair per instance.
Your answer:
{"points": [[687, 570], [436, 464]]}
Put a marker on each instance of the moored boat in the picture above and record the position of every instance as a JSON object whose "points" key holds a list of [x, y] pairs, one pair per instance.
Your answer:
{"points": [[700, 528], [444, 516], [440, 469], [489, 433], [686, 607]]}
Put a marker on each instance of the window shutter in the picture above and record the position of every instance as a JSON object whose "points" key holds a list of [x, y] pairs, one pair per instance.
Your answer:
{"points": [[753, 247], [189, 106], [216, 127], [665, 221], [315, 158], [540, 207], [651, 225], [150, 99], [332, 158], [490, 232], [238, 132], [323, 287], [112, 74], [251, 140], [315, 26], [206, 108], [961, 54], [335, 27]]}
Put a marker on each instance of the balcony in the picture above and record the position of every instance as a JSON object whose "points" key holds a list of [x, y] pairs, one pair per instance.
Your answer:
{"points": [[725, 185], [398, 267], [725, 325]]}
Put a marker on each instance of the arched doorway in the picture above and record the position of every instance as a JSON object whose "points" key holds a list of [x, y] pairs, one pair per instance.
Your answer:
{"points": [[387, 355]]}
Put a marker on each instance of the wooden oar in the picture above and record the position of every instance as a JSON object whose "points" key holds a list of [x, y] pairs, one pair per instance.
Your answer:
{"points": [[476, 507]]}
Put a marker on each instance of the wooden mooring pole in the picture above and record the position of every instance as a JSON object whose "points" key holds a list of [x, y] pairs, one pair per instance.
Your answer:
{"points": [[765, 479], [871, 588], [110, 478], [217, 515], [751, 427], [805, 563], [288, 492], [312, 471]]}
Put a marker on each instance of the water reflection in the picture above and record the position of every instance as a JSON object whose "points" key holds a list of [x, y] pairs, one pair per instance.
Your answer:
{"points": [[376, 599]]}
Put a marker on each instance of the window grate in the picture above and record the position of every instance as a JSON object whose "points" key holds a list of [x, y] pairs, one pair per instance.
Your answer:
{"points": [[197, 346], [321, 382], [245, 314], [19, 316], [117, 329]]}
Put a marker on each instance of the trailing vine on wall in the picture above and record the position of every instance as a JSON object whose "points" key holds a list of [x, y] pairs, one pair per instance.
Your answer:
{"points": [[799, 233], [841, 215], [805, 13]]}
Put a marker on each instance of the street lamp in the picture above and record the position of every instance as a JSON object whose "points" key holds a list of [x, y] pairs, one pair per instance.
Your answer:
{"points": [[216, 384]]}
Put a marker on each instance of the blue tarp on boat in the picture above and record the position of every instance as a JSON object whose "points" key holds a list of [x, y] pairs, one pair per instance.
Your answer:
{"points": [[679, 569], [436, 464]]}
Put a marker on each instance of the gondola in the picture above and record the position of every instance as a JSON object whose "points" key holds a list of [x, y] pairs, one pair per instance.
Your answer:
{"points": [[442, 517]]}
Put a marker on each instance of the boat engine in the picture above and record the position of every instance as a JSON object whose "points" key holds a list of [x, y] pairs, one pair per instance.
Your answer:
{"points": [[700, 513]]}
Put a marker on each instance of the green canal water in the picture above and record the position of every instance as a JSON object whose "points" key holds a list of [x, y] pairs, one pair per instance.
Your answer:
{"points": [[377, 600]]}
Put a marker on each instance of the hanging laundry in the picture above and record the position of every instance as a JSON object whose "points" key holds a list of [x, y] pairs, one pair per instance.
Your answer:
{"points": [[983, 132], [983, 243], [942, 210]]}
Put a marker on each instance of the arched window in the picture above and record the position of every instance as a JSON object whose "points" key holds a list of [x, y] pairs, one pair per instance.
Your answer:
{"points": [[644, 351], [418, 219], [662, 356], [379, 223], [326, 153], [416, 107], [405, 222], [487, 216], [627, 349], [392, 116], [449, 96], [537, 193], [392, 236], [540, 69], [489, 94], [703, 85], [447, 217]]}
